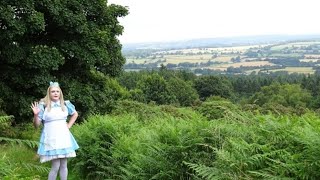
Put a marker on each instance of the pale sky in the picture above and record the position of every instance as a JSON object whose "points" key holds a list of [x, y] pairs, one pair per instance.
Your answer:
{"points": [[170, 20]]}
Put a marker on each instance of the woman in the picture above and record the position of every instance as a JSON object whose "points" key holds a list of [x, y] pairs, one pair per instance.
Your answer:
{"points": [[56, 142]]}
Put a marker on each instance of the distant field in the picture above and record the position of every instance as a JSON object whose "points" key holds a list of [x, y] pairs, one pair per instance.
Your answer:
{"points": [[304, 70], [236, 65], [225, 59], [248, 64], [239, 49], [176, 59], [296, 44], [312, 56], [309, 60], [305, 43], [221, 57], [285, 55]]}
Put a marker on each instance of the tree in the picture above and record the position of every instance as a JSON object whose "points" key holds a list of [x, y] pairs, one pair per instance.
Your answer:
{"points": [[287, 95], [207, 86], [183, 91], [156, 89], [65, 41]]}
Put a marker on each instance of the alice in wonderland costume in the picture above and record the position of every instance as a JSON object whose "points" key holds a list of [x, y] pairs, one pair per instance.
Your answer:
{"points": [[56, 140]]}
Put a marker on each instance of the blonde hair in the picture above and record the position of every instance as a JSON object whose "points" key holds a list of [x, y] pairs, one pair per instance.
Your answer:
{"points": [[47, 100]]}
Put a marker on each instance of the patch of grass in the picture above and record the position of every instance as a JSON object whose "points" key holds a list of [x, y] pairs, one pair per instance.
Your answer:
{"points": [[21, 162]]}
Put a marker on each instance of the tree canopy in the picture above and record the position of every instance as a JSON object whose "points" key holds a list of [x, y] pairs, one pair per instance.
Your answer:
{"points": [[65, 41]]}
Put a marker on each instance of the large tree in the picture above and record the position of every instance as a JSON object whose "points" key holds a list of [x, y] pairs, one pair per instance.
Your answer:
{"points": [[66, 41], [207, 86]]}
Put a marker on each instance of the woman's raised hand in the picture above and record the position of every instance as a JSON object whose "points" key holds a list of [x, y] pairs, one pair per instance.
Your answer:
{"points": [[35, 108]]}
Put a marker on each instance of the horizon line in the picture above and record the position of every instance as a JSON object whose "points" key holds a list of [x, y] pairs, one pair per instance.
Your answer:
{"points": [[219, 37]]}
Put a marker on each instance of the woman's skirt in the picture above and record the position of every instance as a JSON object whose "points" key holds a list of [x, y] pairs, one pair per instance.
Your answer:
{"points": [[56, 141]]}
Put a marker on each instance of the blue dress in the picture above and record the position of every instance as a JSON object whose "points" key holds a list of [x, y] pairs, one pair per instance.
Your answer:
{"points": [[56, 141]]}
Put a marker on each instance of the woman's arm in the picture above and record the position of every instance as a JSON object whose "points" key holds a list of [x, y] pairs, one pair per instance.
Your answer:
{"points": [[36, 111], [36, 121], [73, 118]]}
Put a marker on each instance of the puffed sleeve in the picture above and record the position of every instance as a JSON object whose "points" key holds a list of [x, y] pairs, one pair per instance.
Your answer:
{"points": [[41, 107], [70, 107]]}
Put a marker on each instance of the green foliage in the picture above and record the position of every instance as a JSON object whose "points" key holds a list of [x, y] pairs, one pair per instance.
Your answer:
{"points": [[129, 80], [96, 138], [315, 102], [143, 112], [216, 108], [11, 166], [287, 95], [265, 147], [29, 143], [19, 162], [183, 91], [147, 112], [280, 109], [140, 141], [156, 89], [207, 86], [5, 126], [42, 41], [124, 147], [95, 98], [137, 95]]}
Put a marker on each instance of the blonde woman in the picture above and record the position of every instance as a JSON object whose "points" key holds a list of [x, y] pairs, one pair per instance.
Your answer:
{"points": [[56, 142]]}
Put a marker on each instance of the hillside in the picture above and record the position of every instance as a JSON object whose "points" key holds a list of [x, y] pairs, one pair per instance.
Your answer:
{"points": [[218, 42], [240, 55]]}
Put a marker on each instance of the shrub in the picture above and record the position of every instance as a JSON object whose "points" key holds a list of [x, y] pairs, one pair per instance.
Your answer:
{"points": [[124, 147], [216, 109]]}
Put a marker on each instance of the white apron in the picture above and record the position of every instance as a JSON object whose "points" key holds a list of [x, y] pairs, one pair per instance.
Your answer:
{"points": [[56, 132]]}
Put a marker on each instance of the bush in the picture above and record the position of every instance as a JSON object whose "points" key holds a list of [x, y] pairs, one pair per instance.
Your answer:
{"points": [[6, 129], [143, 112], [124, 147], [98, 98], [216, 109], [241, 146]]}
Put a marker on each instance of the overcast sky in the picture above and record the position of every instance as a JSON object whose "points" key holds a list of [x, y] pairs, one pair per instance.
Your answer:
{"points": [[169, 20]]}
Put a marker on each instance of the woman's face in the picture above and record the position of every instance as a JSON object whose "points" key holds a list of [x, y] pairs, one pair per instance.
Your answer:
{"points": [[55, 94]]}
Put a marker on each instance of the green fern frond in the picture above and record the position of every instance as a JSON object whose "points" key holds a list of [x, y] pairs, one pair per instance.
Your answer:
{"points": [[5, 169], [267, 175], [37, 168], [205, 171], [29, 143], [4, 119]]}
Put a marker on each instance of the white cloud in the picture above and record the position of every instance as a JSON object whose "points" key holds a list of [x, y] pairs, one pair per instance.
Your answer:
{"points": [[166, 20]]}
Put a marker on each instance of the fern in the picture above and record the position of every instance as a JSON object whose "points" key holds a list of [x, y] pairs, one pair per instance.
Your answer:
{"points": [[5, 166], [33, 167], [5, 126], [5, 119], [29, 143], [205, 171]]}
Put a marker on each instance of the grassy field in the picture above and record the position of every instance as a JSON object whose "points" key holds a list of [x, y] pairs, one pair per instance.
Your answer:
{"points": [[291, 45], [176, 59], [245, 64], [226, 59], [312, 56], [22, 162], [239, 49], [304, 70], [222, 56], [285, 55], [309, 60]]}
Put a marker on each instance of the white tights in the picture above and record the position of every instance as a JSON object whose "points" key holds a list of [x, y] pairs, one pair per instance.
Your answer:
{"points": [[61, 166]]}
